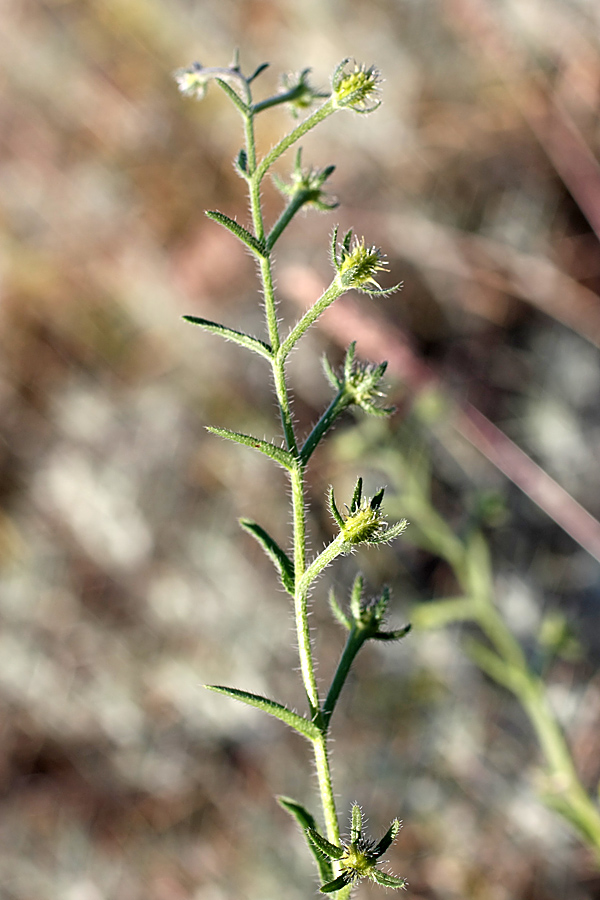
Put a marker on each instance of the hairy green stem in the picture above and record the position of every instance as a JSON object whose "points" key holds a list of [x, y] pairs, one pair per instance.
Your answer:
{"points": [[326, 788], [255, 175], [325, 110], [286, 217], [310, 316]]}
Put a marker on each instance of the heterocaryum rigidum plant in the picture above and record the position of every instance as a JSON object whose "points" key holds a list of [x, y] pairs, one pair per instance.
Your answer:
{"points": [[356, 267]]}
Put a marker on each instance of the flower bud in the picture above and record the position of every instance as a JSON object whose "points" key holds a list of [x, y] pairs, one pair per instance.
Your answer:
{"points": [[356, 88]]}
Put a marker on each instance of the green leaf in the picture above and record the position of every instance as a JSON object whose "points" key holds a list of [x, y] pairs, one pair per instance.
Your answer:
{"points": [[323, 844], [230, 334], [388, 838], [278, 557], [299, 812], [306, 821], [283, 457], [257, 247], [338, 612], [298, 723], [389, 881], [235, 98], [336, 885]]}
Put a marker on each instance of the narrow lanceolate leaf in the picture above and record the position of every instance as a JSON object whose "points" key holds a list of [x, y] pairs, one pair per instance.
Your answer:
{"points": [[278, 557], [389, 881], [340, 882], [257, 247], [298, 723], [230, 334], [306, 820], [233, 96], [280, 455], [395, 635], [323, 844], [388, 839], [333, 508]]}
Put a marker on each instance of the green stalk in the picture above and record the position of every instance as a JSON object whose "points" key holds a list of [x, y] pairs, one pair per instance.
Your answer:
{"points": [[337, 406], [286, 142], [255, 176], [355, 640], [326, 788]]}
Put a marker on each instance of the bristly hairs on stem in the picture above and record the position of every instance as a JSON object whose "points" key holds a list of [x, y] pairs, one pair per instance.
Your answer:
{"points": [[357, 265]]}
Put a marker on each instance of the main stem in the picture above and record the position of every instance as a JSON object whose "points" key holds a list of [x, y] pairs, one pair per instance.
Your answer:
{"points": [[255, 175]]}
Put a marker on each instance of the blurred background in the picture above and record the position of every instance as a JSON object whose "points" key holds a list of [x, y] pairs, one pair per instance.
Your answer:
{"points": [[125, 580]]}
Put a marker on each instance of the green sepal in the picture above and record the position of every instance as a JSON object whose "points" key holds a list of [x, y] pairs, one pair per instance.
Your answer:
{"points": [[328, 849], [278, 557], [383, 292], [338, 612], [257, 247], [235, 98], [230, 334], [335, 382], [356, 830], [395, 635], [357, 496], [306, 821], [389, 881], [356, 598], [336, 885], [388, 839], [283, 457], [298, 723], [333, 508], [377, 499]]}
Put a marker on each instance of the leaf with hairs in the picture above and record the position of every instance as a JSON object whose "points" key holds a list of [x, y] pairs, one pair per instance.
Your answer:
{"points": [[298, 723], [306, 821], [283, 457], [230, 334], [257, 247], [278, 557]]}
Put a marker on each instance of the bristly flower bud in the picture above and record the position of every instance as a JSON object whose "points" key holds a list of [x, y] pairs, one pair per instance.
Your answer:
{"points": [[356, 88], [365, 522], [362, 383], [359, 858], [356, 265], [307, 184]]}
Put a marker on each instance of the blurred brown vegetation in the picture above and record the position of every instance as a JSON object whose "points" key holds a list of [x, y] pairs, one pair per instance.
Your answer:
{"points": [[125, 582]]}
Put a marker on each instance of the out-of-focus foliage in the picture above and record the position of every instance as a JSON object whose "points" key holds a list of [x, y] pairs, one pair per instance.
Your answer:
{"points": [[117, 509]]}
